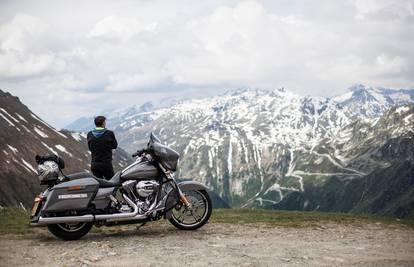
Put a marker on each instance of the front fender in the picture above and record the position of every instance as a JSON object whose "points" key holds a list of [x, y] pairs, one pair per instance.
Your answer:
{"points": [[184, 186], [192, 185]]}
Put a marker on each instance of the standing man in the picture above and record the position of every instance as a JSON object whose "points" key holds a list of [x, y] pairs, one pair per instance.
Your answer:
{"points": [[101, 141]]}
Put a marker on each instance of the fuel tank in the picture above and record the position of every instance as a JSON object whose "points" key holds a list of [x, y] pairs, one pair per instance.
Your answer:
{"points": [[140, 171]]}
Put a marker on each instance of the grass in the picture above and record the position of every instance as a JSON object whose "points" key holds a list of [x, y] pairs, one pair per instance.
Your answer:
{"points": [[15, 221], [299, 218]]}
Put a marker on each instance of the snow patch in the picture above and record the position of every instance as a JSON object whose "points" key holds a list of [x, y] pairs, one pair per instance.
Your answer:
{"points": [[53, 129], [407, 119], [13, 149], [10, 116], [28, 165], [40, 132], [229, 157], [59, 133], [63, 149], [24, 127], [7, 120], [402, 109], [50, 149], [21, 117], [76, 136]]}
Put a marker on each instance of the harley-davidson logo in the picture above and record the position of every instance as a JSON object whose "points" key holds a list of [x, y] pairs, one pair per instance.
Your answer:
{"points": [[71, 196]]}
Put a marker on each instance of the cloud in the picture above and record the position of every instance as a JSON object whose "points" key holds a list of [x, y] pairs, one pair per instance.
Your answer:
{"points": [[116, 28], [128, 82], [384, 9], [23, 53], [110, 53]]}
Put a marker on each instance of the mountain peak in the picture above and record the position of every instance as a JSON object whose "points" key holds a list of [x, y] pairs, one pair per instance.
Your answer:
{"points": [[358, 87]]}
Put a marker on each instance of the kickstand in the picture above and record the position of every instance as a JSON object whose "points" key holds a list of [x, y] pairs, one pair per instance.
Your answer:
{"points": [[142, 224]]}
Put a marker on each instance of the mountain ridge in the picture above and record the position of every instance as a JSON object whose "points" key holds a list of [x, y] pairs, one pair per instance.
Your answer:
{"points": [[276, 149]]}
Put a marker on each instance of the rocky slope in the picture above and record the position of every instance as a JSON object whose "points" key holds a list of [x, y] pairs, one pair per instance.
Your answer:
{"points": [[367, 167], [22, 136]]}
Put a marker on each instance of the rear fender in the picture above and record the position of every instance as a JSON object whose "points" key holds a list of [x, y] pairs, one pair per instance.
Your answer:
{"points": [[184, 186]]}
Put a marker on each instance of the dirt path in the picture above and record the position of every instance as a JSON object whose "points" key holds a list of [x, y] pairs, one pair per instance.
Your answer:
{"points": [[218, 245]]}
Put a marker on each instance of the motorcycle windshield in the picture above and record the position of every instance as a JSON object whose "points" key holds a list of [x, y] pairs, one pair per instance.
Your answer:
{"points": [[154, 139], [168, 157]]}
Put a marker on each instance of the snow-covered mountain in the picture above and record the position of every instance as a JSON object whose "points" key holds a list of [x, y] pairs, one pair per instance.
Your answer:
{"points": [[123, 118], [373, 102], [255, 147], [23, 135]]}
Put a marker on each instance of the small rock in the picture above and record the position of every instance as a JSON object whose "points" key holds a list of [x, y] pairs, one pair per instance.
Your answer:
{"points": [[112, 254], [94, 259], [285, 259], [305, 257], [86, 262]]}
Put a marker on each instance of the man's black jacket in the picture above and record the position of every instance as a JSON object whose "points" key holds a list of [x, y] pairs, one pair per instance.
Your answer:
{"points": [[101, 142]]}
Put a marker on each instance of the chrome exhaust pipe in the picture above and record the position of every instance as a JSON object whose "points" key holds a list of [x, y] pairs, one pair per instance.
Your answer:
{"points": [[66, 219], [90, 218]]}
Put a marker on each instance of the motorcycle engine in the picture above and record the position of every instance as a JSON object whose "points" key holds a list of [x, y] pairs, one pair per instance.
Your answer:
{"points": [[143, 193]]}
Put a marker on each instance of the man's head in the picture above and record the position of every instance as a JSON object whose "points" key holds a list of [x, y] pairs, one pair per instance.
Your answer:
{"points": [[100, 121]]}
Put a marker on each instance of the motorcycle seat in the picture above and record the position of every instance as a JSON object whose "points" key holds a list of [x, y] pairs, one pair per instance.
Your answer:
{"points": [[114, 181]]}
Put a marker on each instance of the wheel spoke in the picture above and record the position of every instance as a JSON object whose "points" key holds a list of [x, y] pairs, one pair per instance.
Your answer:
{"points": [[195, 217], [198, 209]]}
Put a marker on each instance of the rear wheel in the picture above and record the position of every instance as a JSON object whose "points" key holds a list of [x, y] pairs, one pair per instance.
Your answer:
{"points": [[197, 215], [70, 231]]}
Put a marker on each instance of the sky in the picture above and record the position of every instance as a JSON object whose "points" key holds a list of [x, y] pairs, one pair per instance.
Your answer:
{"points": [[67, 59]]}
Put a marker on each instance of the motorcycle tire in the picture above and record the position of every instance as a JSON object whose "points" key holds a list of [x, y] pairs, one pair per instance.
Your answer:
{"points": [[174, 221], [63, 232]]}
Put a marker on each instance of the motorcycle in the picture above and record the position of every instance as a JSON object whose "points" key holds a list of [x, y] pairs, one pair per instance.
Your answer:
{"points": [[143, 191]]}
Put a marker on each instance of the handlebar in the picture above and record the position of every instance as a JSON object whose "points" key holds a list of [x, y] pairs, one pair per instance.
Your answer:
{"points": [[139, 153]]}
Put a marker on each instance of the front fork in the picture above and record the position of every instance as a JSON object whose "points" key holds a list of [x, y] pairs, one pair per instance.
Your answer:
{"points": [[183, 198], [170, 176]]}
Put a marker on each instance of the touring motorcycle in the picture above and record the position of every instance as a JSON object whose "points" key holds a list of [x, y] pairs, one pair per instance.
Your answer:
{"points": [[143, 191]]}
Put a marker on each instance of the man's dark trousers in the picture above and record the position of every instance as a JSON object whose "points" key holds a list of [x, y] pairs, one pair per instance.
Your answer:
{"points": [[102, 170]]}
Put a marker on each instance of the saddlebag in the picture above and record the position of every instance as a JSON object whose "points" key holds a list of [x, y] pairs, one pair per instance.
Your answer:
{"points": [[72, 195]]}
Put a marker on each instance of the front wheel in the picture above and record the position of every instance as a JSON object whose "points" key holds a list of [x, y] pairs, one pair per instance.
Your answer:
{"points": [[70, 231], [196, 215]]}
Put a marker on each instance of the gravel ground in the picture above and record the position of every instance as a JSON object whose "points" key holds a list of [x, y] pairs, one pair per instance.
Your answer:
{"points": [[217, 245]]}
